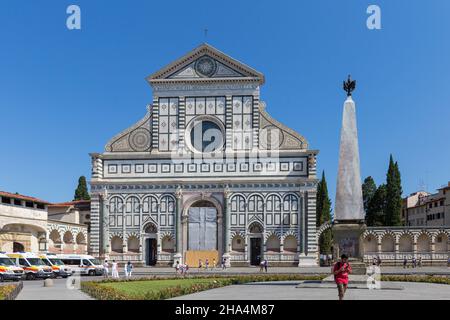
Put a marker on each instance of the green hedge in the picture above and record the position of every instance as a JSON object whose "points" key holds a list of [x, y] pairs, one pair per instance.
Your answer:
{"points": [[414, 278], [6, 291], [96, 290]]}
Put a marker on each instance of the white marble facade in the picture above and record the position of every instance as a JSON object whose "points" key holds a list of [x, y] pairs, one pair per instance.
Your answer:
{"points": [[206, 162]]}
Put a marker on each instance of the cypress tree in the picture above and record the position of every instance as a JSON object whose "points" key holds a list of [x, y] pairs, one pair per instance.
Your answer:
{"points": [[375, 215], [81, 193], [323, 214], [368, 190], [393, 194]]}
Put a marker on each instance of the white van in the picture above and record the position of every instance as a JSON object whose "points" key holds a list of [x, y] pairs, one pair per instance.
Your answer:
{"points": [[58, 267], [32, 265], [82, 264], [8, 269]]}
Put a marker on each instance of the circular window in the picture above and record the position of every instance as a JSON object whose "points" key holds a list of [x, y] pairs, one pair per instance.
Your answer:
{"points": [[206, 136], [205, 66]]}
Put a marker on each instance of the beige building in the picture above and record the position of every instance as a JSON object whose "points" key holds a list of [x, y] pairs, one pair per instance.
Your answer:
{"points": [[68, 226], [424, 209], [34, 225], [23, 223]]}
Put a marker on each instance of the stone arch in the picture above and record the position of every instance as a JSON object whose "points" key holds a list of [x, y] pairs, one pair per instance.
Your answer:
{"points": [[133, 243], [150, 227], [55, 241], [272, 233], [167, 243], [150, 204], [80, 238], [132, 204], [370, 242], [273, 243], [55, 236], [325, 226], [69, 242], [203, 200], [68, 237], [441, 242], [116, 244], [424, 242], [202, 197], [116, 204], [290, 243], [81, 242], [388, 242], [255, 227], [405, 242], [273, 202], [238, 242], [167, 203], [255, 207]]}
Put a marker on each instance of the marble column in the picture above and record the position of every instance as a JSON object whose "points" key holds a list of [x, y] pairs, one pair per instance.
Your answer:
{"points": [[178, 232], [227, 253], [105, 223]]}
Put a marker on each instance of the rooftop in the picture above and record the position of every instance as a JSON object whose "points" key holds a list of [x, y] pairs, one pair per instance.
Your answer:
{"points": [[71, 203], [22, 197]]}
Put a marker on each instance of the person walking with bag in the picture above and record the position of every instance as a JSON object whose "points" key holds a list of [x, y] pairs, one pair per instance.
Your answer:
{"points": [[341, 271]]}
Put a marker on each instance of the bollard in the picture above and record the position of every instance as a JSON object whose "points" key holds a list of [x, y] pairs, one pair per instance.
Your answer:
{"points": [[48, 283]]}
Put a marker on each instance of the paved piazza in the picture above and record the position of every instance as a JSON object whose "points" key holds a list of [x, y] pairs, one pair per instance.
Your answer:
{"points": [[34, 290], [288, 291]]}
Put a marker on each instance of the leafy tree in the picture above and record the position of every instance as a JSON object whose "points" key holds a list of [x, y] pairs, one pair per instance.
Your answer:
{"points": [[393, 194], [81, 193], [368, 190], [375, 215], [323, 214]]}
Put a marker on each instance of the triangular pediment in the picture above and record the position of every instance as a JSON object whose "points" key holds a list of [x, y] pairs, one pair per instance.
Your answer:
{"points": [[207, 62]]}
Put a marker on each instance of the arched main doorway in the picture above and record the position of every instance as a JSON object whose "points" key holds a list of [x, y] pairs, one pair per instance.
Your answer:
{"points": [[202, 226], [255, 236], [151, 244]]}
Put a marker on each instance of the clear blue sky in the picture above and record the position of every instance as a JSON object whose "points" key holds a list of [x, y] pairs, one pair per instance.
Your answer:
{"points": [[64, 93]]}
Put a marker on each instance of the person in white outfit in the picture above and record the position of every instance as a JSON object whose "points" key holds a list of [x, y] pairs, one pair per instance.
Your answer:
{"points": [[106, 269], [114, 270]]}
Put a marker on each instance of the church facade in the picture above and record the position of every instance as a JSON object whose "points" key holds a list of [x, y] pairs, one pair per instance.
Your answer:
{"points": [[207, 173]]}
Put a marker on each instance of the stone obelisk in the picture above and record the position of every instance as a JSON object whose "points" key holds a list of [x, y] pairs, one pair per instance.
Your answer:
{"points": [[348, 224]]}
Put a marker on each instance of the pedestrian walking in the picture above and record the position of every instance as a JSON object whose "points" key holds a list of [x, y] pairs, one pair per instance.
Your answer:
{"points": [[378, 261], [261, 266], [420, 262], [414, 262], [224, 260], [128, 269], [405, 263], [115, 270], [266, 265], [213, 266], [177, 266], [206, 264], [105, 269], [200, 265], [329, 259], [341, 270]]}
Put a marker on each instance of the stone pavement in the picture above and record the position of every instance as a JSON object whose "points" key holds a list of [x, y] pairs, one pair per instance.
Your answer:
{"points": [[142, 271], [35, 290], [287, 290]]}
